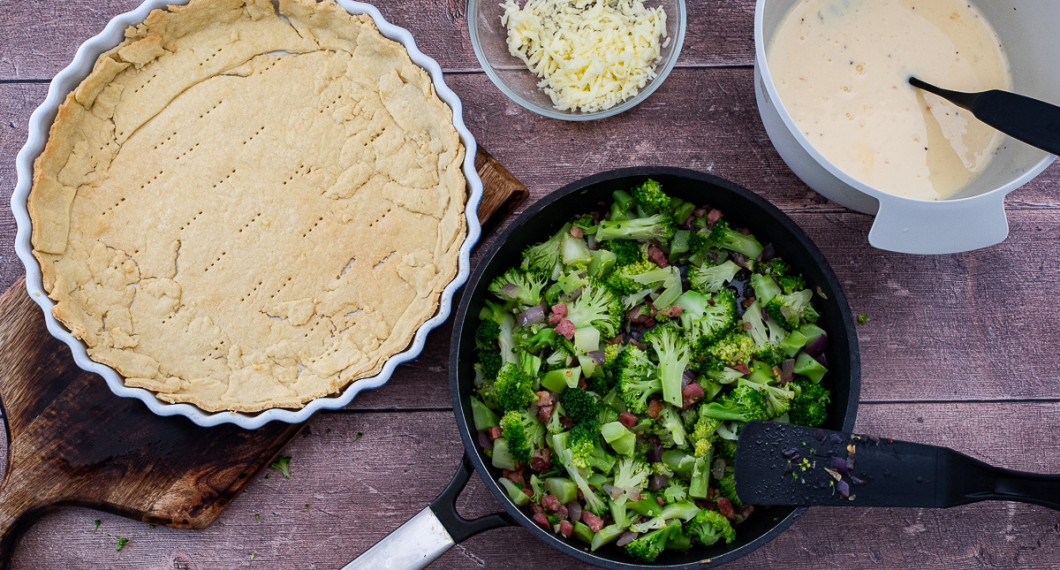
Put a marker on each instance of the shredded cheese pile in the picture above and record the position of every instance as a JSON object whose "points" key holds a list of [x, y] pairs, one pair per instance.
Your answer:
{"points": [[590, 54]]}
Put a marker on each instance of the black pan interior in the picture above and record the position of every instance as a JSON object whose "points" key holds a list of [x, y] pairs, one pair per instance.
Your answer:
{"points": [[741, 208]]}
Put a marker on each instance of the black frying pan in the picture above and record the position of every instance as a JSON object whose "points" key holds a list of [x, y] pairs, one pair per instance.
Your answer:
{"points": [[438, 527]]}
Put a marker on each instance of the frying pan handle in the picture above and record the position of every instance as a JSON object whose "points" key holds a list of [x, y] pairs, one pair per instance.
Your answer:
{"points": [[431, 532]]}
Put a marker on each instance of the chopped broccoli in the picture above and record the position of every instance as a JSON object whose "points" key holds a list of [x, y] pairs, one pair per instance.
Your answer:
{"points": [[727, 487], [582, 442], [722, 236], [778, 398], [515, 433], [581, 406], [765, 288], [734, 349], [632, 473], [647, 547], [675, 491], [658, 227], [709, 527], [704, 319], [863, 318], [651, 197], [545, 258], [626, 252], [635, 389], [620, 280], [490, 364], [792, 310], [585, 224], [516, 285], [791, 283], [670, 428], [702, 435], [596, 307], [565, 455], [810, 405], [673, 354], [742, 404], [514, 388], [486, 335]]}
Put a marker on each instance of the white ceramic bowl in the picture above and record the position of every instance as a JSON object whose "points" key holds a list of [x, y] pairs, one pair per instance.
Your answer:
{"points": [[975, 217], [68, 79], [490, 40]]}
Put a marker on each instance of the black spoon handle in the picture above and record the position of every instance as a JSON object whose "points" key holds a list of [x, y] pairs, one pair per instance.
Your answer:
{"points": [[1034, 122], [983, 482]]}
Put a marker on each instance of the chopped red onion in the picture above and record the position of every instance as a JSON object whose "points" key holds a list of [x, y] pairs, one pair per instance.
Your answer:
{"points": [[821, 358], [768, 252], [612, 491], [655, 453], [687, 377], [509, 290], [484, 440], [598, 357], [718, 469], [658, 481], [835, 439], [840, 466], [818, 346], [844, 489], [627, 538], [787, 370], [532, 316], [574, 511]]}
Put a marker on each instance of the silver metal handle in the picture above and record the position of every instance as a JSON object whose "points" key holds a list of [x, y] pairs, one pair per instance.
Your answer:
{"points": [[413, 545]]}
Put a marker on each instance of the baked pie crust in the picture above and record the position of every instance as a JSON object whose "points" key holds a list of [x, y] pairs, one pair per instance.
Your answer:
{"points": [[247, 206]]}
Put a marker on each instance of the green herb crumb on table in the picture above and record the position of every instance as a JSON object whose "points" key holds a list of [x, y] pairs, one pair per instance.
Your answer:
{"points": [[863, 318], [122, 541], [617, 362], [283, 465]]}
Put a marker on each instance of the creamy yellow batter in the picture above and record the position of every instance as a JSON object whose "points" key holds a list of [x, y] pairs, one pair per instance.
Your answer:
{"points": [[841, 69]]}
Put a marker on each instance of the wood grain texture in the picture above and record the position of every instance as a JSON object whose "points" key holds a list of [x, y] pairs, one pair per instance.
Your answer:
{"points": [[44, 34], [360, 488]]}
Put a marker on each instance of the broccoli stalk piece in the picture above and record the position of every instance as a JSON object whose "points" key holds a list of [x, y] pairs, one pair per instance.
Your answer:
{"points": [[506, 341], [793, 309], [596, 307], [742, 404], [581, 406], [810, 405], [621, 206], [650, 196], [671, 428], [519, 286], [722, 236], [658, 227], [545, 258], [673, 354], [514, 388], [765, 288], [577, 474], [709, 527], [647, 548]]}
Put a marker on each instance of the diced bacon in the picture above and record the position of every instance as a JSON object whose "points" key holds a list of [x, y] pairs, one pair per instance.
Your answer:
{"points": [[577, 232], [496, 433], [627, 419], [541, 460], [566, 528], [699, 212], [742, 368], [657, 257], [544, 398], [542, 520], [554, 319], [566, 328], [544, 414], [515, 476], [713, 217], [654, 408], [673, 312], [725, 508], [594, 522], [567, 422], [551, 503], [560, 309]]}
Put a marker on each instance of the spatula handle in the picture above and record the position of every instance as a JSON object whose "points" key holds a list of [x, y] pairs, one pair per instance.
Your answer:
{"points": [[984, 482]]}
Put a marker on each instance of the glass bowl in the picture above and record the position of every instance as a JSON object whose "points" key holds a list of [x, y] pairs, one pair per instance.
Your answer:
{"points": [[489, 38]]}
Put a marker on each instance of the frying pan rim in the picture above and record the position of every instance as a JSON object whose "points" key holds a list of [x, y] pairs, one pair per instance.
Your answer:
{"points": [[764, 210]]}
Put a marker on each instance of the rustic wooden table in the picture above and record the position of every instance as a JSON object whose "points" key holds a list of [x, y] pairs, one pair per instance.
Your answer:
{"points": [[960, 350]]}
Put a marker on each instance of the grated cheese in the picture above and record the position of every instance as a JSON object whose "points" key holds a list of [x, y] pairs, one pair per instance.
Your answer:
{"points": [[590, 54]]}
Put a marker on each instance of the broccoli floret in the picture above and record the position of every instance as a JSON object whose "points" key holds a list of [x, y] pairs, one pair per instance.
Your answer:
{"points": [[702, 435], [621, 206], [585, 223], [705, 320], [581, 406], [486, 335], [637, 384], [514, 388], [776, 267], [711, 279], [791, 283], [546, 339], [670, 428], [764, 287], [626, 252], [766, 336], [722, 236], [742, 404], [709, 527], [515, 433], [658, 227], [792, 309], [582, 442], [673, 354], [596, 307], [490, 363], [516, 285], [778, 398], [675, 491], [727, 487], [647, 547], [810, 405], [632, 473], [651, 197], [565, 456], [620, 280], [545, 258], [734, 349]]}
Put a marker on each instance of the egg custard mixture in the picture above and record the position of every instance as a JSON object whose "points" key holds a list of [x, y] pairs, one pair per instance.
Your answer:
{"points": [[841, 68]]}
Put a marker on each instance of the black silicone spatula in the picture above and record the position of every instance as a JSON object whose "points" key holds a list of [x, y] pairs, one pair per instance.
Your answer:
{"points": [[1034, 122], [782, 464]]}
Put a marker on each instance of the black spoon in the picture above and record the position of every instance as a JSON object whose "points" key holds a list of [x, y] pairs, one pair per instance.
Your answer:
{"points": [[782, 464], [1034, 122]]}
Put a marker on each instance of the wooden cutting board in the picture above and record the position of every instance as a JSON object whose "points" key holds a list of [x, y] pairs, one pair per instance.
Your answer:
{"points": [[72, 441]]}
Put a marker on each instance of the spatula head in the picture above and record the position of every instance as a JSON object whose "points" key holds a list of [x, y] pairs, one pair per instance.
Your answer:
{"points": [[783, 464]]}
